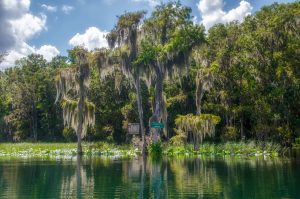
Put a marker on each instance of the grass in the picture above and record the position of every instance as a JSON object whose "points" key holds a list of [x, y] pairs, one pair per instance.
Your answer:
{"points": [[68, 150]]}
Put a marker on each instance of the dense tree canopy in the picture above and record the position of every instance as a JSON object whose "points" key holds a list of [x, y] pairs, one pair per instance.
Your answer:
{"points": [[247, 74]]}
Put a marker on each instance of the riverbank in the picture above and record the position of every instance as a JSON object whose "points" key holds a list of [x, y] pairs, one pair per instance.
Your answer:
{"points": [[251, 148], [68, 150], [63, 150]]}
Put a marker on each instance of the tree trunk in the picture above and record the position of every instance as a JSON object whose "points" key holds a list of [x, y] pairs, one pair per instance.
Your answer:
{"points": [[141, 115], [196, 142], [199, 96], [158, 104], [80, 112], [34, 122], [242, 128]]}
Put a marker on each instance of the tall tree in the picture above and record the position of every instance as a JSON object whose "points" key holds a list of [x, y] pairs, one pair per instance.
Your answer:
{"points": [[125, 35], [168, 38], [26, 84], [78, 112]]}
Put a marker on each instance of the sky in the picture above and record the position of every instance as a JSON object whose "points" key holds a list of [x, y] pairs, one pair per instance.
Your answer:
{"points": [[51, 27]]}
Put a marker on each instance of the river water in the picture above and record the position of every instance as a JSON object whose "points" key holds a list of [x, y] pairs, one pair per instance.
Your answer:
{"points": [[199, 177]]}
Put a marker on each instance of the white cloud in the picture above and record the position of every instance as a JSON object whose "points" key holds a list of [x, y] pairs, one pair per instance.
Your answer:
{"points": [[212, 12], [152, 3], [48, 52], [22, 50], [49, 8], [91, 39], [240, 12], [67, 9], [14, 8], [28, 25], [20, 25]]}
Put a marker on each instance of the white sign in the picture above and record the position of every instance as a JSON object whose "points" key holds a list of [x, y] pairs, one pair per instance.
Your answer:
{"points": [[133, 128]]}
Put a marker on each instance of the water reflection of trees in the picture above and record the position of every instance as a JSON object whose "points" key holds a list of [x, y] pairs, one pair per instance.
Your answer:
{"points": [[194, 178], [147, 178], [258, 177], [80, 183], [33, 180]]}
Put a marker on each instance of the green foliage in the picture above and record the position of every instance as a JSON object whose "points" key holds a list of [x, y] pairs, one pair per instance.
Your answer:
{"points": [[69, 134], [155, 149], [250, 148], [284, 134], [178, 139], [148, 53], [230, 134], [28, 110], [297, 140], [200, 126], [63, 150], [197, 123], [253, 67]]}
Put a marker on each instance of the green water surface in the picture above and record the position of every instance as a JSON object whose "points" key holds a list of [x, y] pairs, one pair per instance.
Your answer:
{"points": [[202, 177]]}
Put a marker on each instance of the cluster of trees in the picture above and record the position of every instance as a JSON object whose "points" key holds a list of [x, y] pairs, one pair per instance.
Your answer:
{"points": [[244, 76]]}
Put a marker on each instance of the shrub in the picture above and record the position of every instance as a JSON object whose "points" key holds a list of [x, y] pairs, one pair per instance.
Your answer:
{"points": [[155, 149], [284, 135], [179, 139]]}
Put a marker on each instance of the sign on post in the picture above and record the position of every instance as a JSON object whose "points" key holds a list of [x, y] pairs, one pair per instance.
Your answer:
{"points": [[134, 128], [157, 125]]}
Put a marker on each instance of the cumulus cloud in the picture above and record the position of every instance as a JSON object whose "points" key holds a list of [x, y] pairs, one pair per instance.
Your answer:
{"points": [[48, 52], [10, 10], [67, 9], [49, 8], [23, 50], [152, 3], [19, 26], [91, 39], [28, 25], [212, 12]]}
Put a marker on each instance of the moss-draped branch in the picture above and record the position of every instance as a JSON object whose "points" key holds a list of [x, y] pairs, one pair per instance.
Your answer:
{"points": [[200, 126]]}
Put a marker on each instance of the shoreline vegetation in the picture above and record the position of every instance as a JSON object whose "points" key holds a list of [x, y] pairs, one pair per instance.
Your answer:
{"points": [[102, 149]]}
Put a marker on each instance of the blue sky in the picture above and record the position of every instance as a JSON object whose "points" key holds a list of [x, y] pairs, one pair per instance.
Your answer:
{"points": [[50, 27]]}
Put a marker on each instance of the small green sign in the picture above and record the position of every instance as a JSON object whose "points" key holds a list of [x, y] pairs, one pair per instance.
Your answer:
{"points": [[157, 125]]}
